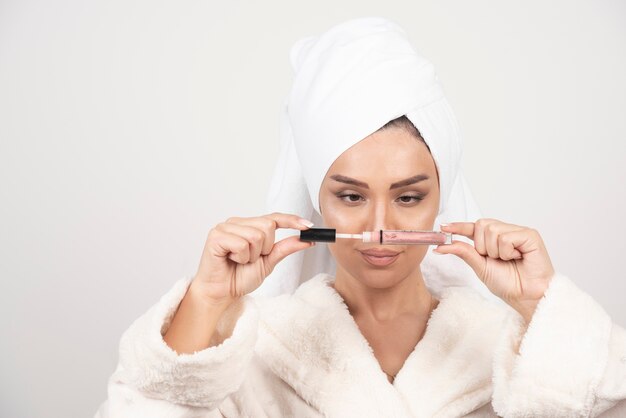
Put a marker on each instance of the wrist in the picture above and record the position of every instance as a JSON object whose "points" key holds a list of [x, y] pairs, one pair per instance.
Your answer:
{"points": [[203, 296], [526, 309]]}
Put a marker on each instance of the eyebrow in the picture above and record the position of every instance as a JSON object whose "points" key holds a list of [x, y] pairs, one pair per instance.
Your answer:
{"points": [[401, 183]]}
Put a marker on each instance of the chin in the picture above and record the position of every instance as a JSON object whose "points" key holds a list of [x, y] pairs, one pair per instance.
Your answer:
{"points": [[377, 278]]}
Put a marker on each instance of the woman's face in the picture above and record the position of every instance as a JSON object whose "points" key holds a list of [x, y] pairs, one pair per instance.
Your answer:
{"points": [[358, 194]]}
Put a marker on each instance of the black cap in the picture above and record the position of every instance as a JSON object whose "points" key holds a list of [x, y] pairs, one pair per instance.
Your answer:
{"points": [[318, 234]]}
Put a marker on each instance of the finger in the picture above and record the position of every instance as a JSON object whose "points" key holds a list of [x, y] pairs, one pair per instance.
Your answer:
{"points": [[506, 246], [288, 220], [490, 230], [486, 236], [270, 222], [521, 242], [267, 225], [253, 235], [494, 233], [468, 253], [479, 238], [282, 220], [493, 230], [233, 246], [285, 247], [460, 228], [474, 231]]}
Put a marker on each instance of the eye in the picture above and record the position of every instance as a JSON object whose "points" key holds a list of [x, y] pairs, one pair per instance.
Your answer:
{"points": [[411, 198], [349, 196]]}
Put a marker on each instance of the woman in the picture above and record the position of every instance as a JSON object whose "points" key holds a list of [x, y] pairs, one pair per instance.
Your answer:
{"points": [[369, 143]]}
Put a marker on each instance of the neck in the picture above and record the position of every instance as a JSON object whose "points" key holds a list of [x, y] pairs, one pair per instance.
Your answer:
{"points": [[409, 296]]}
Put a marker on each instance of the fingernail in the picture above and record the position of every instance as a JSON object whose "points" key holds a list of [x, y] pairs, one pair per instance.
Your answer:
{"points": [[445, 225], [436, 252], [306, 223]]}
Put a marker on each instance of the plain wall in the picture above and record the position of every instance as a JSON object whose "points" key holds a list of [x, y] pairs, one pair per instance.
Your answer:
{"points": [[129, 128]]}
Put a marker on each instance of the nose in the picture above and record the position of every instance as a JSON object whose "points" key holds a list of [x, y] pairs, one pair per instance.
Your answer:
{"points": [[380, 216]]}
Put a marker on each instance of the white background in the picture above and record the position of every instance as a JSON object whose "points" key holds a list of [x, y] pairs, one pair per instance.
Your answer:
{"points": [[129, 128]]}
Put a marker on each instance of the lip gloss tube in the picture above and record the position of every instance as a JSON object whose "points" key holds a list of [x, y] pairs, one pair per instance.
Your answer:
{"points": [[404, 236]]}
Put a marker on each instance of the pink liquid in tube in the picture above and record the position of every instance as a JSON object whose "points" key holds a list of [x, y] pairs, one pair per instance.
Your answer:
{"points": [[407, 237]]}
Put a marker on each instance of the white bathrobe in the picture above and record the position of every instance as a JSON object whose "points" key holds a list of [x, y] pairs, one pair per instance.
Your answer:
{"points": [[302, 355]]}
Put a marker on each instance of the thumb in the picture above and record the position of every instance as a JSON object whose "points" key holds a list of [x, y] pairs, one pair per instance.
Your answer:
{"points": [[467, 253], [285, 247]]}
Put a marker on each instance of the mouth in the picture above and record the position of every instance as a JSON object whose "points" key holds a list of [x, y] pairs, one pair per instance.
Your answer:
{"points": [[379, 257]]}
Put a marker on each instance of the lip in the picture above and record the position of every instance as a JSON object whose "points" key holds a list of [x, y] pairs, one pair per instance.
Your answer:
{"points": [[379, 257], [379, 252]]}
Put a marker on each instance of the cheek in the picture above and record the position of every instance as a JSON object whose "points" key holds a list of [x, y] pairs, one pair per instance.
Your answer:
{"points": [[341, 220], [336, 214], [422, 217], [343, 251], [416, 253]]}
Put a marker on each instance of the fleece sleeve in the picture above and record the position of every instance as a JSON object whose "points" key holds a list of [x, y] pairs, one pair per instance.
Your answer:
{"points": [[153, 380], [571, 361]]}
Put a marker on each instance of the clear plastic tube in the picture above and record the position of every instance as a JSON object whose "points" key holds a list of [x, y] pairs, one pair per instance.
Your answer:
{"points": [[402, 236]]}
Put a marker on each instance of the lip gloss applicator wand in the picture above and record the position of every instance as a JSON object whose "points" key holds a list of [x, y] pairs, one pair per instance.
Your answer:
{"points": [[381, 236]]}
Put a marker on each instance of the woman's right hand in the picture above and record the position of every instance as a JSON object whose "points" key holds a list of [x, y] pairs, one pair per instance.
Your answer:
{"points": [[240, 253]]}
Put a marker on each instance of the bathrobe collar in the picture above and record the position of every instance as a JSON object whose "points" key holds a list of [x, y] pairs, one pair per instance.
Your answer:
{"points": [[310, 340]]}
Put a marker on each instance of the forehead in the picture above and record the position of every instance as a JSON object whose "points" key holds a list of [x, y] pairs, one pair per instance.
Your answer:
{"points": [[390, 153]]}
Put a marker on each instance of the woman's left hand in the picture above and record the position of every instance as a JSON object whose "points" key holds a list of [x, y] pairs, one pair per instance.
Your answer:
{"points": [[511, 260]]}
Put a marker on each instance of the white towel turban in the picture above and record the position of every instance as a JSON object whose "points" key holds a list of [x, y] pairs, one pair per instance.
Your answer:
{"points": [[348, 83]]}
